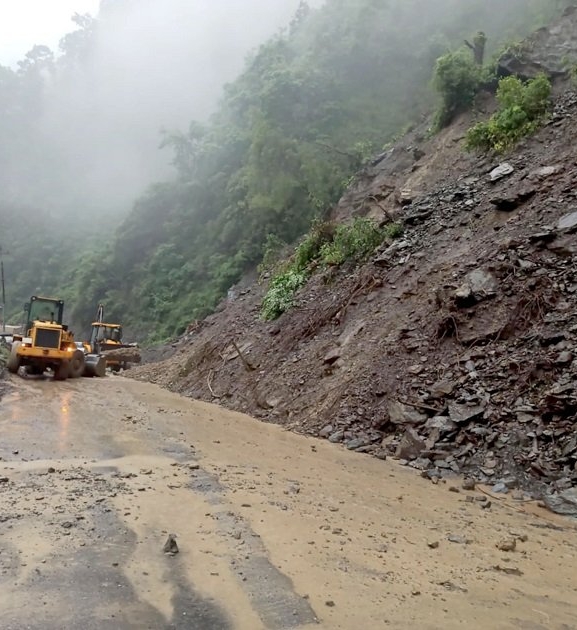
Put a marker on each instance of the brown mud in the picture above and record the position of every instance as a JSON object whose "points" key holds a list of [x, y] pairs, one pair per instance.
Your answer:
{"points": [[274, 530]]}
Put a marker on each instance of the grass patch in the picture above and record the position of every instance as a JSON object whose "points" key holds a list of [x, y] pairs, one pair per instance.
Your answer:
{"points": [[522, 109], [325, 245]]}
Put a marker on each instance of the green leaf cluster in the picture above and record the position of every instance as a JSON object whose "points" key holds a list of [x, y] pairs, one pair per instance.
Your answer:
{"points": [[522, 108], [280, 296], [355, 242]]}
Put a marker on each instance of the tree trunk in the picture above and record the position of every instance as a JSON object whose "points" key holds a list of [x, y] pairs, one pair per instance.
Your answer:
{"points": [[478, 47]]}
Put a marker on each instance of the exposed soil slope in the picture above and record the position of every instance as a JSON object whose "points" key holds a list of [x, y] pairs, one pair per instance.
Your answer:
{"points": [[453, 347]]}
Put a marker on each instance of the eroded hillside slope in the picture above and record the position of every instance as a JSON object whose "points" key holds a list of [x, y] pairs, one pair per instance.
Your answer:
{"points": [[452, 348]]}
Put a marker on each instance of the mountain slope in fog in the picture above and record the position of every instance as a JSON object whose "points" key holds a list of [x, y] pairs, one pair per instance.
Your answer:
{"points": [[82, 131]]}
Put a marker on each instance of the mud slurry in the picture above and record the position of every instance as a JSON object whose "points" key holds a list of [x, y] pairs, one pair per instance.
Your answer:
{"points": [[275, 530], [81, 539], [270, 592], [62, 565]]}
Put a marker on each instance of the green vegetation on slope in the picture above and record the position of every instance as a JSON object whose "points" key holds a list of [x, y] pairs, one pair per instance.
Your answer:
{"points": [[522, 107], [326, 245], [311, 106]]}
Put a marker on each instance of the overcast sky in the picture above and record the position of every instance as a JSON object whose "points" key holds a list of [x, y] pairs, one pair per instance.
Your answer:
{"points": [[24, 23]]}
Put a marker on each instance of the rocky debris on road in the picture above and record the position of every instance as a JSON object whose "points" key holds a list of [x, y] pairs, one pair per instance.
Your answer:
{"points": [[507, 544], [73, 500], [564, 503], [507, 570], [129, 354]]}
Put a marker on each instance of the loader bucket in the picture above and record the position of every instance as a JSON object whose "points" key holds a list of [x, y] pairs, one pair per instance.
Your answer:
{"points": [[94, 365]]}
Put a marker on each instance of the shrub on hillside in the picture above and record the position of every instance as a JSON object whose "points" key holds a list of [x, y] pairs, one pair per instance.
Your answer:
{"points": [[281, 292], [355, 242], [522, 107], [457, 78], [311, 246]]}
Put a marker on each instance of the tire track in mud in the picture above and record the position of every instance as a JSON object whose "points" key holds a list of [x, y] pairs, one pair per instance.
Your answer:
{"points": [[270, 592], [80, 583], [94, 573]]}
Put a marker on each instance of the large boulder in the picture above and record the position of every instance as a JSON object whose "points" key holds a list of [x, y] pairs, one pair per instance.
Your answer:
{"points": [[400, 414], [550, 50]]}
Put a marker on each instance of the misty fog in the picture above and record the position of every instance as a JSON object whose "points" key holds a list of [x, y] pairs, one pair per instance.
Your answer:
{"points": [[80, 135], [150, 64]]}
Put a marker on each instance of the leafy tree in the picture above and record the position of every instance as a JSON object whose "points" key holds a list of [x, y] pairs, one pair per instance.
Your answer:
{"points": [[457, 79]]}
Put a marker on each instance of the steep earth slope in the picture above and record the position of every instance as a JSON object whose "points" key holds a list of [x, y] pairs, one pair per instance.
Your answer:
{"points": [[453, 348]]}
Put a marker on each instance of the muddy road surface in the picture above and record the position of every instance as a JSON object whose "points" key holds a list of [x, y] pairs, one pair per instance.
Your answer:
{"points": [[274, 530]]}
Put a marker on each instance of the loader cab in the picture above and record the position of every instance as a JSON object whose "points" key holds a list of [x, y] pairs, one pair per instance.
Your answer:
{"points": [[45, 310], [105, 335]]}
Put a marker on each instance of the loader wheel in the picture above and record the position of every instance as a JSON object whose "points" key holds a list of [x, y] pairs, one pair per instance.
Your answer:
{"points": [[14, 360], [61, 372], [76, 365]]}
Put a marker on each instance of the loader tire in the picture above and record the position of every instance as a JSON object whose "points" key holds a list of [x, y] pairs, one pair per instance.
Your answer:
{"points": [[76, 365], [61, 372], [14, 360]]}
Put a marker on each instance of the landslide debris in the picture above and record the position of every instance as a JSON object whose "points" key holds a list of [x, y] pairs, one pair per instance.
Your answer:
{"points": [[453, 348]]}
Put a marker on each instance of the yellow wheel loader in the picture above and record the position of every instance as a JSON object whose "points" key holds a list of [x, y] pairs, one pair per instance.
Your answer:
{"points": [[106, 339], [46, 343]]}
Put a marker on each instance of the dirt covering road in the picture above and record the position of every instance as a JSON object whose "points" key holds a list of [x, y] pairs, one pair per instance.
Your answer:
{"points": [[274, 530]]}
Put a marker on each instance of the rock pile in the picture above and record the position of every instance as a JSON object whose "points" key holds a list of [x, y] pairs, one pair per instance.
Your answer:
{"points": [[502, 402]]}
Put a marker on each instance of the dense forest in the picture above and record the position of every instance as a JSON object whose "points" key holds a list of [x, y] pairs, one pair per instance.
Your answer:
{"points": [[311, 105]]}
